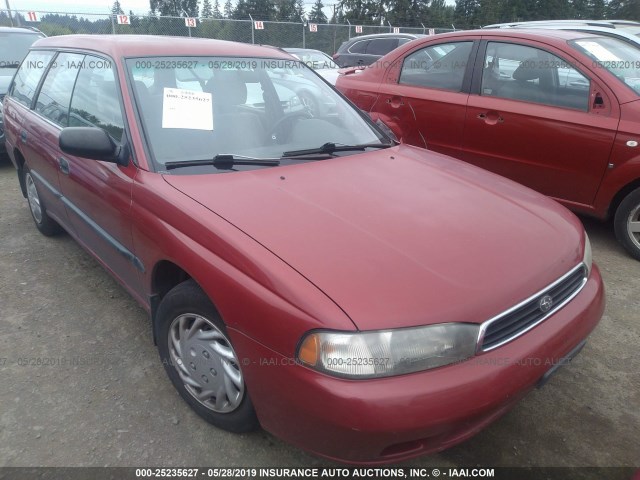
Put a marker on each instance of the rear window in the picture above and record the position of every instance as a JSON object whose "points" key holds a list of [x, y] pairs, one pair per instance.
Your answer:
{"points": [[28, 76], [382, 46], [14, 47], [359, 47]]}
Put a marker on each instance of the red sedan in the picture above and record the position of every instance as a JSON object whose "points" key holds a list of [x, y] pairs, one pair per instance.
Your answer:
{"points": [[366, 301], [557, 111]]}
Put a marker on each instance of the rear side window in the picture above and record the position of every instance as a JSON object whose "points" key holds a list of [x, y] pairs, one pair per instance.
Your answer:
{"points": [[359, 47], [55, 95], [95, 101], [381, 46], [28, 76], [439, 66]]}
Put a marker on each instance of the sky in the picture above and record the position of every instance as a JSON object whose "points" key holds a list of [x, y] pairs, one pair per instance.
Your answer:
{"points": [[104, 6]]}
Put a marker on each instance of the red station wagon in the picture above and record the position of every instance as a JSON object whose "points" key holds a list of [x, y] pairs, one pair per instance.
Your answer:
{"points": [[365, 301], [557, 111]]}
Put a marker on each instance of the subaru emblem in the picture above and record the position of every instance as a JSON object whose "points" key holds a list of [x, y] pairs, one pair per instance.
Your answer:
{"points": [[545, 303]]}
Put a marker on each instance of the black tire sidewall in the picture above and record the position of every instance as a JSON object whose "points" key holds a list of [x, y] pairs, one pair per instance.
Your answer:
{"points": [[47, 226], [631, 201], [188, 297]]}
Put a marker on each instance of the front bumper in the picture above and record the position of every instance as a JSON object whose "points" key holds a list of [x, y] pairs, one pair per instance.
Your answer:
{"points": [[392, 419]]}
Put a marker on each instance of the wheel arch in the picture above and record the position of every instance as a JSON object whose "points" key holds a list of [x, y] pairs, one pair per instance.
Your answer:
{"points": [[620, 196], [20, 161], [165, 276]]}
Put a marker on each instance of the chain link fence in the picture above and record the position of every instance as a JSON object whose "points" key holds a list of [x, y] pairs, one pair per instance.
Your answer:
{"points": [[324, 37]]}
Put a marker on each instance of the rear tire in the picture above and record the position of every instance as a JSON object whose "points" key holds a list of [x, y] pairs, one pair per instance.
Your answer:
{"points": [[44, 223], [627, 223], [200, 360]]}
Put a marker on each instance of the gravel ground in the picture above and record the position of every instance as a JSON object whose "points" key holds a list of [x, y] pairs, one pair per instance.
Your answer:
{"points": [[107, 400]]}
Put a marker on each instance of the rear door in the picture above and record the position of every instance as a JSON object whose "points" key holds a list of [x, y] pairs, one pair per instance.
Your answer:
{"points": [[424, 95], [98, 194], [26, 131], [540, 118]]}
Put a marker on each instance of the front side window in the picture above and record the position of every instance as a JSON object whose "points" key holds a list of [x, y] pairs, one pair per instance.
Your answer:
{"points": [[95, 101], [438, 66], [28, 76], [55, 94], [618, 57], [199, 108], [520, 72]]}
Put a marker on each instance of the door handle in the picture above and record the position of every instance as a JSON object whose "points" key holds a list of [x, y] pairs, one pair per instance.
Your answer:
{"points": [[64, 165], [23, 136], [395, 101], [491, 117]]}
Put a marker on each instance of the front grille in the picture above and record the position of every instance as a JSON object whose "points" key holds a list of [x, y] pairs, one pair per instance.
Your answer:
{"points": [[523, 317]]}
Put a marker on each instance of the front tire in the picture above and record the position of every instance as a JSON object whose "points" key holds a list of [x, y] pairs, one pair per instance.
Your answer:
{"points": [[627, 223], [200, 360], [44, 223]]}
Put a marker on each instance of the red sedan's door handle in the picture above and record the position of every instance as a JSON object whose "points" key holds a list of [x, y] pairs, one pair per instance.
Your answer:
{"points": [[491, 117], [395, 102]]}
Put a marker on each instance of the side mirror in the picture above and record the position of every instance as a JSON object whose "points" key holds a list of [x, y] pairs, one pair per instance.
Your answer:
{"points": [[89, 142]]}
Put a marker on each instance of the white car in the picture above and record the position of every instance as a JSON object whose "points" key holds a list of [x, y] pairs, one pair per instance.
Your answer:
{"points": [[319, 61]]}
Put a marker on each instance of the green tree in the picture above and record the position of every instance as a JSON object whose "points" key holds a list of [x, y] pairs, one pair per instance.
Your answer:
{"points": [[286, 11], [228, 9], [116, 9], [466, 13], [216, 10], [317, 15], [207, 11], [624, 9], [174, 8]]}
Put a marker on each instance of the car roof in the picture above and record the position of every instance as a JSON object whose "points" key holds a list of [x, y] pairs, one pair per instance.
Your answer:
{"points": [[20, 30], [384, 35], [118, 46], [286, 49], [540, 34], [604, 31], [600, 23]]}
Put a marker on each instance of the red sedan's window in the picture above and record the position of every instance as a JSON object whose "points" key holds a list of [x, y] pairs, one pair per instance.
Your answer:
{"points": [[28, 76], [438, 66], [95, 100], [530, 74], [55, 94]]}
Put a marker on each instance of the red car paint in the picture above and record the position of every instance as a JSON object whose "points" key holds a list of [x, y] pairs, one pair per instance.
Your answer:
{"points": [[579, 158], [385, 239]]}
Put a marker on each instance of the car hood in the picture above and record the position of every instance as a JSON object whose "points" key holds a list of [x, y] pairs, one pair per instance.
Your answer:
{"points": [[329, 74], [400, 237]]}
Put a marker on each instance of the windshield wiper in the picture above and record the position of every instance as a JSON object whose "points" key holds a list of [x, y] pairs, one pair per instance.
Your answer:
{"points": [[225, 161], [329, 148]]}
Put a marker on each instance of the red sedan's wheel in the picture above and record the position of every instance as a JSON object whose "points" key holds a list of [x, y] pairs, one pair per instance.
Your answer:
{"points": [[201, 361]]}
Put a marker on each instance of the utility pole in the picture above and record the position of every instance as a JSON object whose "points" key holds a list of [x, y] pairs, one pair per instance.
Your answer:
{"points": [[9, 10]]}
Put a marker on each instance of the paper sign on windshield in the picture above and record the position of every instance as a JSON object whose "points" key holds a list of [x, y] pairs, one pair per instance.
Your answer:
{"points": [[187, 109], [598, 51]]}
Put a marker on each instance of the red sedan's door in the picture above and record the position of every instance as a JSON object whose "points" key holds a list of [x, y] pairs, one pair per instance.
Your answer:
{"points": [[424, 96], [33, 136], [98, 194], [540, 121]]}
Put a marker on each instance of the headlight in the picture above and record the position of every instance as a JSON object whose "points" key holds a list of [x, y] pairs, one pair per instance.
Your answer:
{"points": [[389, 352], [588, 257]]}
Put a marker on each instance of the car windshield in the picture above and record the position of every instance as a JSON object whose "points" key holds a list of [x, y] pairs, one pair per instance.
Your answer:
{"points": [[618, 57], [14, 47], [196, 108]]}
